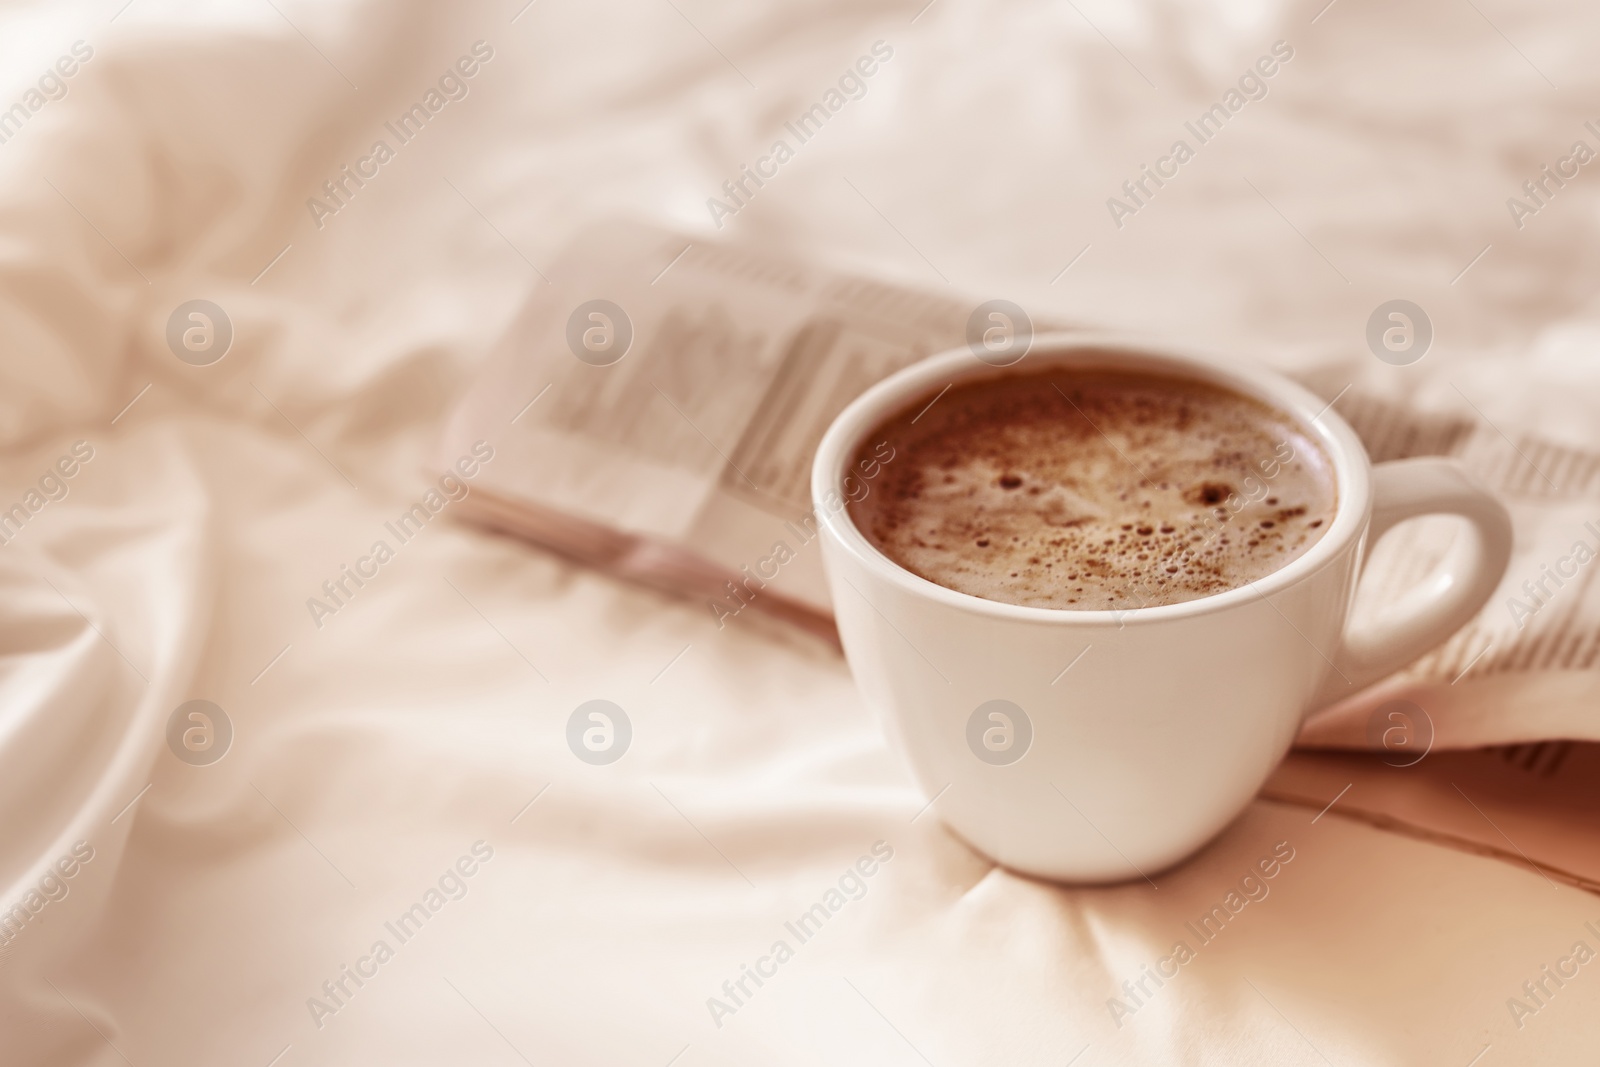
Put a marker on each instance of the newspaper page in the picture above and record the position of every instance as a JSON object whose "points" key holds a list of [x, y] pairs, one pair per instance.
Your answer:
{"points": [[1487, 743], [1525, 667], [654, 411], [1546, 614]]}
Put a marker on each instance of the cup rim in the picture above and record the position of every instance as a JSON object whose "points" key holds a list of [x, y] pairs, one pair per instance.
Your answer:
{"points": [[1317, 419]]}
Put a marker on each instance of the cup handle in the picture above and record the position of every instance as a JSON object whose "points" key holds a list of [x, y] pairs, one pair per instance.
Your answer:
{"points": [[1450, 596]]}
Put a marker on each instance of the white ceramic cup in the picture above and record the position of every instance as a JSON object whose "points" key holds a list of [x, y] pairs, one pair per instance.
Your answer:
{"points": [[1104, 745]]}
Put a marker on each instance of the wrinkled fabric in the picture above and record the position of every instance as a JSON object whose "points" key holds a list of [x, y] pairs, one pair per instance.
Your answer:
{"points": [[421, 729]]}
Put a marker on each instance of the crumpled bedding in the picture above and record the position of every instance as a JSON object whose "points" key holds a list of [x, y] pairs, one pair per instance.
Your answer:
{"points": [[233, 911]]}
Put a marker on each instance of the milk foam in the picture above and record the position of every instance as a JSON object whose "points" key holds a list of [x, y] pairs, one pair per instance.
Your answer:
{"points": [[1092, 489]]}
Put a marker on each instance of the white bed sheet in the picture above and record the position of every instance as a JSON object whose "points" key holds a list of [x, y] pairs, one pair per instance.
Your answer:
{"points": [[374, 751]]}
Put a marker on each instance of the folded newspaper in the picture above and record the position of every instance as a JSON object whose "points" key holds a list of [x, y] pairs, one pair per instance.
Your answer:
{"points": [[658, 405], [655, 410]]}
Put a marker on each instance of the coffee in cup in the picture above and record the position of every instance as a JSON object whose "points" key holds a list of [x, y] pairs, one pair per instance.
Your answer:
{"points": [[1083, 488]]}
